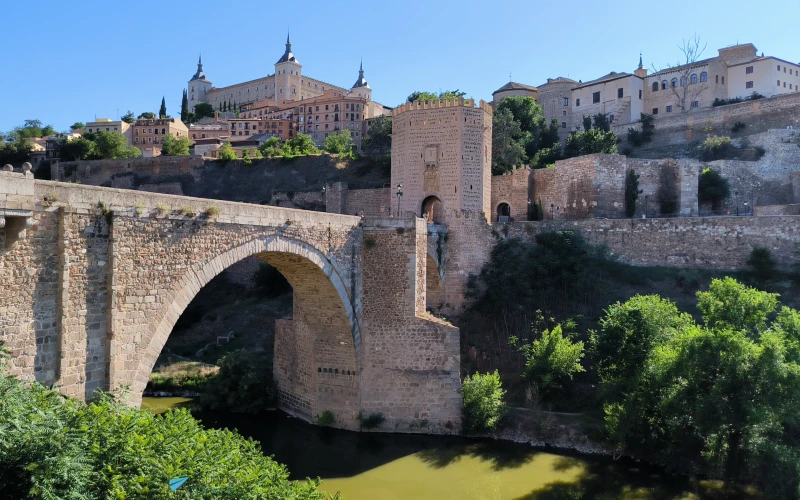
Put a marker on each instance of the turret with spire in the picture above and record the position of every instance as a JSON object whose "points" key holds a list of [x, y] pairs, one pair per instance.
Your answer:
{"points": [[361, 82], [641, 72], [287, 56], [199, 75]]}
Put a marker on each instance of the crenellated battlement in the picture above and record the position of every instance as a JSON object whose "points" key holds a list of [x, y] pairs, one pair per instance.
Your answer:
{"points": [[442, 103]]}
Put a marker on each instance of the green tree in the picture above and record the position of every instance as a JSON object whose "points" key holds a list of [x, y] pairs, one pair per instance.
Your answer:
{"points": [[712, 188], [77, 149], [147, 116], [302, 145], [378, 141], [600, 122], [203, 110], [77, 126], [162, 113], [590, 142], [632, 192], [550, 359], [720, 399], [175, 146], [483, 402], [113, 145], [184, 107], [226, 152], [128, 117], [338, 143], [270, 147], [507, 149], [628, 333], [761, 263], [433, 96]]}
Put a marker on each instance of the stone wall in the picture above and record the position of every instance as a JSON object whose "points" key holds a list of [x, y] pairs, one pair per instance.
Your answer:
{"points": [[702, 242], [793, 209], [411, 360], [776, 112], [513, 188]]}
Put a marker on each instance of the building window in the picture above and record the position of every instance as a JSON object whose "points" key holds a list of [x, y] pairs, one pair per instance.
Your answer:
{"points": [[693, 79], [619, 93], [563, 124], [723, 80], [664, 85], [640, 95], [748, 70], [655, 111], [669, 109], [695, 104], [596, 97], [674, 83], [717, 80], [779, 83], [655, 86], [566, 101], [577, 102], [748, 85], [683, 81], [703, 76], [564, 112], [779, 67]]}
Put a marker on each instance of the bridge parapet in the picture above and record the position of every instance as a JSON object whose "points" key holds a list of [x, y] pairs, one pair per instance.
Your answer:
{"points": [[16, 203]]}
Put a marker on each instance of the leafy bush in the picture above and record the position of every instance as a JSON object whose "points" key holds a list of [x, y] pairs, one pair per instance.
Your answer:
{"points": [[212, 211], [55, 447], [550, 359], [761, 263], [226, 153], [483, 402], [244, 384], [326, 419], [712, 188], [714, 147], [372, 421], [338, 143]]}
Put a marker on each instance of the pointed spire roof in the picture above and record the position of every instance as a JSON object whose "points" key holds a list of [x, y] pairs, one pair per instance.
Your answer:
{"points": [[199, 75], [640, 61], [288, 56], [361, 82]]}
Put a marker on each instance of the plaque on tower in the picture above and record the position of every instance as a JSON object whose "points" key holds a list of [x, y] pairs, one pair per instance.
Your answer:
{"points": [[431, 157]]}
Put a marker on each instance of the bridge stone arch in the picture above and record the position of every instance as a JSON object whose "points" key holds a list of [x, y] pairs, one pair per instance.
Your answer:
{"points": [[322, 306]]}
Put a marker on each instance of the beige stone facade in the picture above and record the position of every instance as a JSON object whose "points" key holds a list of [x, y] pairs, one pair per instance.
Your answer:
{"points": [[148, 134]]}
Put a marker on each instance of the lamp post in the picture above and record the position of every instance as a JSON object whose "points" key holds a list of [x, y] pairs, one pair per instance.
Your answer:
{"points": [[399, 195], [529, 209], [745, 208], [645, 205], [325, 198], [552, 211], [736, 201]]}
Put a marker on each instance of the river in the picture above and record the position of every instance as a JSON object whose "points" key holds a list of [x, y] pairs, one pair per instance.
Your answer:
{"points": [[372, 466]]}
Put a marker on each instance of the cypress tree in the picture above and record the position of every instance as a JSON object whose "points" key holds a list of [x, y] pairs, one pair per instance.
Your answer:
{"points": [[162, 113], [184, 106]]}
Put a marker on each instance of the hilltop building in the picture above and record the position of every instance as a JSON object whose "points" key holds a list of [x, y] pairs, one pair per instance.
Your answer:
{"points": [[736, 72]]}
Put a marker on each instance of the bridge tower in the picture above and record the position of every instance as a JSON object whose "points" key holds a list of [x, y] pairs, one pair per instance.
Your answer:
{"points": [[441, 163]]}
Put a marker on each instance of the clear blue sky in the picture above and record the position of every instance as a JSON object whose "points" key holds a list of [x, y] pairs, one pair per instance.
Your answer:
{"points": [[71, 61]]}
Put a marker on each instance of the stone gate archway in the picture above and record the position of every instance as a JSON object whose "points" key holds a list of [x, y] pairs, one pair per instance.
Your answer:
{"points": [[317, 352], [432, 210]]}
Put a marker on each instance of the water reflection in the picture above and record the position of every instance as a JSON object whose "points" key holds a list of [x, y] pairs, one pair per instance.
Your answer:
{"points": [[370, 466]]}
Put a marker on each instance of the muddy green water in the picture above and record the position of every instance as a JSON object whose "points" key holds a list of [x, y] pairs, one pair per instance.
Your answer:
{"points": [[373, 466]]}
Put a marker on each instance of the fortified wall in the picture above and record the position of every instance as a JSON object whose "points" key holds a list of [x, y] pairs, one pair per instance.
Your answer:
{"points": [[776, 112]]}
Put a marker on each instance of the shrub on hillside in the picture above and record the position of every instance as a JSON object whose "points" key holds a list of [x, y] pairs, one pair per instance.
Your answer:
{"points": [[761, 263], [550, 359], [483, 402], [714, 147], [712, 188]]}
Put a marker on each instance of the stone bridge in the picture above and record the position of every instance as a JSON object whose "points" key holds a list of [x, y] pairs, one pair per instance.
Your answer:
{"points": [[92, 281]]}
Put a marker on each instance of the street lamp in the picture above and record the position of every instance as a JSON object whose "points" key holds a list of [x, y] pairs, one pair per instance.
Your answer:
{"points": [[529, 209], [399, 195], [552, 211], [325, 198], [736, 201], [745, 208], [645, 205]]}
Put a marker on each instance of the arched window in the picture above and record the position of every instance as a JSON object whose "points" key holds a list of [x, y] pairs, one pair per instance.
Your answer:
{"points": [[693, 79], [703, 76], [683, 81], [674, 82], [664, 85], [655, 86]]}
